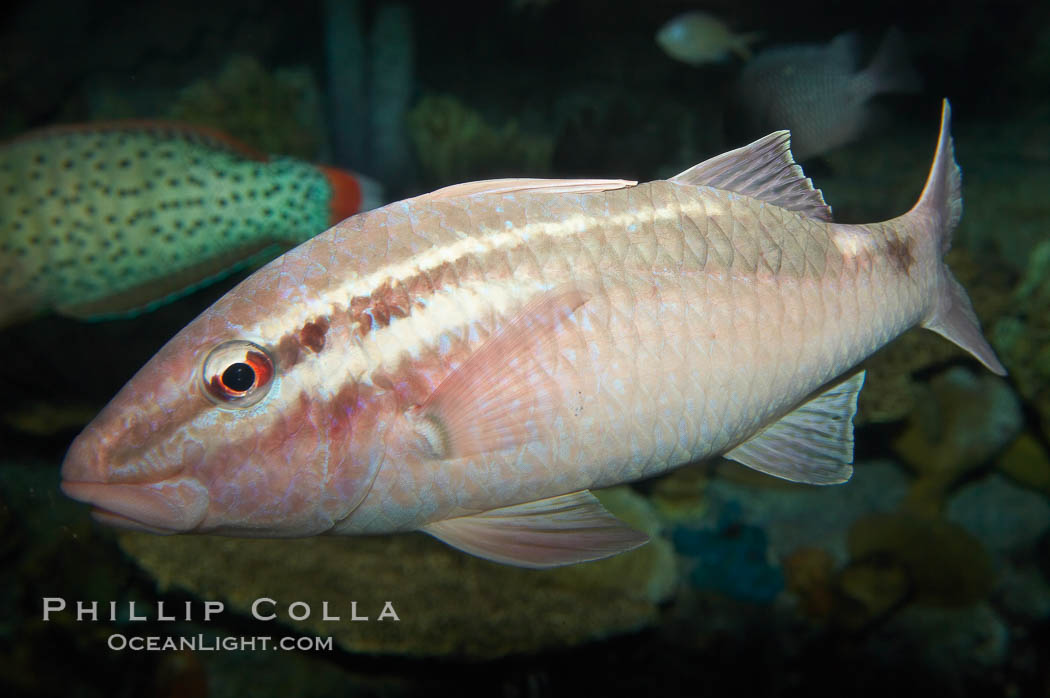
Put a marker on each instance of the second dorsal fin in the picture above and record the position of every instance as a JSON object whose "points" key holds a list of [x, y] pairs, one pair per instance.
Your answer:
{"points": [[764, 170], [516, 186]]}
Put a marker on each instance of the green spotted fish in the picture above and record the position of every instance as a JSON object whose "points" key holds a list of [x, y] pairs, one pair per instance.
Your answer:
{"points": [[102, 220]]}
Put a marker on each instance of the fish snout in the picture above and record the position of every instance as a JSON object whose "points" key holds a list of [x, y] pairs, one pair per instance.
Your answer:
{"points": [[85, 461], [170, 506], [132, 486]]}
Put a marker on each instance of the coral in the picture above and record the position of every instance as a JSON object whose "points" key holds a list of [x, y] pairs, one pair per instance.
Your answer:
{"points": [[277, 112], [449, 603], [944, 565], [455, 144], [965, 420], [731, 558]]}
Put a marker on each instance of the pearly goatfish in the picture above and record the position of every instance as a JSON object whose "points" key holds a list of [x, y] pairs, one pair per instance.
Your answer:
{"points": [[472, 362], [106, 219]]}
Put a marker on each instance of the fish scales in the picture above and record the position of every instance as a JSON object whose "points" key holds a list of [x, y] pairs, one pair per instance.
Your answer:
{"points": [[471, 362]]}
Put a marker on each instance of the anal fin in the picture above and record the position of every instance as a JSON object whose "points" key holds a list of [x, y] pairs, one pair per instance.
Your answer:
{"points": [[813, 444], [561, 530]]}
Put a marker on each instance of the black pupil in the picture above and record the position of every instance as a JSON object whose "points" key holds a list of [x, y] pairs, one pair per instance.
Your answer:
{"points": [[238, 377]]}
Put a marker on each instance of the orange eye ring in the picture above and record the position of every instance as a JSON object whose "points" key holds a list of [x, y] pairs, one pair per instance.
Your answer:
{"points": [[237, 373]]}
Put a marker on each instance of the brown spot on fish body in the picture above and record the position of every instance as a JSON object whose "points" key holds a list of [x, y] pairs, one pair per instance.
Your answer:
{"points": [[389, 301], [899, 252], [287, 352], [313, 333]]}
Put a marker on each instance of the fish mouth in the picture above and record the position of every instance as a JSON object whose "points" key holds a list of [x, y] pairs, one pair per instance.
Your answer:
{"points": [[166, 507]]}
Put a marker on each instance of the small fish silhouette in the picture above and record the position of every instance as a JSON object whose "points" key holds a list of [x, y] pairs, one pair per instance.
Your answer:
{"points": [[697, 38], [817, 92]]}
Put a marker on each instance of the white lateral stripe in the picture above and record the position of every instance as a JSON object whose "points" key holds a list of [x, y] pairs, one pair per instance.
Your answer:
{"points": [[484, 242]]}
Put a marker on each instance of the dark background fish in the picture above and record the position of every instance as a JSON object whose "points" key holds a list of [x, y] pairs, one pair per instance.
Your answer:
{"points": [[819, 91], [112, 218]]}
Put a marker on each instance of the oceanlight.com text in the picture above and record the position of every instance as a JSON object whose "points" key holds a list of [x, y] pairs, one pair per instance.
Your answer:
{"points": [[119, 642]]}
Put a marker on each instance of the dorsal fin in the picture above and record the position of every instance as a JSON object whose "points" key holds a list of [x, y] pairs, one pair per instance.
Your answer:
{"points": [[514, 186], [764, 170], [207, 135]]}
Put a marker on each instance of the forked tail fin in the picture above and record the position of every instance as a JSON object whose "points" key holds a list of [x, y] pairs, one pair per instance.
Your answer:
{"points": [[940, 207]]}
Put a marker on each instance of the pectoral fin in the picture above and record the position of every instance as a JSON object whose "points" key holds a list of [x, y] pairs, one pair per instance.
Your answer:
{"points": [[551, 532], [496, 398], [813, 444]]}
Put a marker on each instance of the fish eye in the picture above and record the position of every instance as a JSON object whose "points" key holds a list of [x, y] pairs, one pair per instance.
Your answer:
{"points": [[237, 373]]}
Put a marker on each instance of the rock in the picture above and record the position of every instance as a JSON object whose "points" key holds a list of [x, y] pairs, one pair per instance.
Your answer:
{"points": [[1004, 517], [944, 565], [448, 602], [809, 575], [868, 591], [1026, 462], [796, 516], [731, 559], [951, 638], [1023, 593]]}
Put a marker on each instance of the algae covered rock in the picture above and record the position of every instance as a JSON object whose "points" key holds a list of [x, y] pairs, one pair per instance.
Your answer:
{"points": [[1027, 463], [795, 516], [455, 144], [809, 575], [1006, 518], [277, 112], [963, 422], [447, 602], [1022, 338]]}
